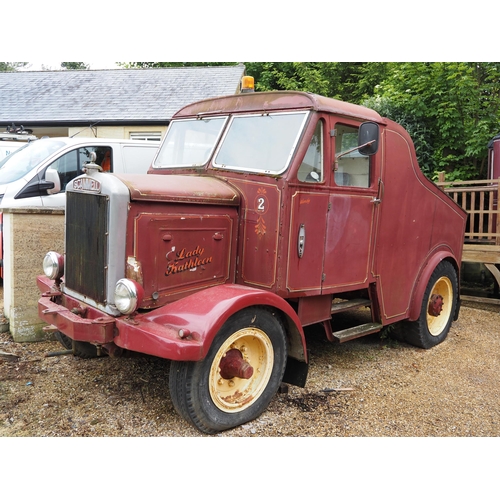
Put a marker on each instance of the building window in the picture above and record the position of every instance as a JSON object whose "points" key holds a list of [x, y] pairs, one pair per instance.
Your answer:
{"points": [[146, 136]]}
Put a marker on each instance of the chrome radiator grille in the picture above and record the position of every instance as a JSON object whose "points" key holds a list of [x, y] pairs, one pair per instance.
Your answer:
{"points": [[87, 244]]}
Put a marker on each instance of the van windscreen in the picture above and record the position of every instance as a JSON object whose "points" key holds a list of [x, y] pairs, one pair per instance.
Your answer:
{"points": [[22, 161]]}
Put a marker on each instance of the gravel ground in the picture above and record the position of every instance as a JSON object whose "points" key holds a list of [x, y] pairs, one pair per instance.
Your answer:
{"points": [[367, 387]]}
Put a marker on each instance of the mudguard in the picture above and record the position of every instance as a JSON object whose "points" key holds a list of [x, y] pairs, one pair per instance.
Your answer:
{"points": [[425, 274], [184, 330]]}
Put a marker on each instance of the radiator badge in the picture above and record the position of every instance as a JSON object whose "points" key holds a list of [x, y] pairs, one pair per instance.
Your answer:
{"points": [[187, 260], [87, 184]]}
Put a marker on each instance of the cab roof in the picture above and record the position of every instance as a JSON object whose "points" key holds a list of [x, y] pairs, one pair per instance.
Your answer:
{"points": [[277, 101]]}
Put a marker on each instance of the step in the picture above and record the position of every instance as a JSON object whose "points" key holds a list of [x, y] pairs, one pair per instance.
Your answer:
{"points": [[349, 304], [357, 331]]}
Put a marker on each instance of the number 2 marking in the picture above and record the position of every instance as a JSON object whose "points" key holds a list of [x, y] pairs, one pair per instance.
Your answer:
{"points": [[260, 205]]}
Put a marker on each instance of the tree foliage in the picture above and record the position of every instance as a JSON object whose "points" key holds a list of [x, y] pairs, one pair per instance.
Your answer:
{"points": [[12, 66], [350, 82], [74, 65], [450, 109]]}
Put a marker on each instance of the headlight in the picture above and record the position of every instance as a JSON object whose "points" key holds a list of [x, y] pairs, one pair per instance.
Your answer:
{"points": [[53, 265], [128, 295]]}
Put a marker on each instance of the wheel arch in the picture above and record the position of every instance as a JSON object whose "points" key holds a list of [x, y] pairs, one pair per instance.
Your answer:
{"points": [[204, 313], [424, 277]]}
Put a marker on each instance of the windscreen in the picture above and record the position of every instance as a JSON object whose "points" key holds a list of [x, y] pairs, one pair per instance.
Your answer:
{"points": [[260, 143], [189, 143], [22, 161]]}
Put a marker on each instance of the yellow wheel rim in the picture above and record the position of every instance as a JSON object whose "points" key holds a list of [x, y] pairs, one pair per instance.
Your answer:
{"points": [[444, 289], [235, 394]]}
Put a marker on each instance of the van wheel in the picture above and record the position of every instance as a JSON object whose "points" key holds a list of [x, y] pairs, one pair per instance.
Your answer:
{"points": [[84, 350], [239, 376], [438, 309]]}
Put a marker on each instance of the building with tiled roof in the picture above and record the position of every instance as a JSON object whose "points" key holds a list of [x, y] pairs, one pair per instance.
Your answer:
{"points": [[123, 103]]}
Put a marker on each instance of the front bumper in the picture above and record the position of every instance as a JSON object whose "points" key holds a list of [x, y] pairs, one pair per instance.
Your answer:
{"points": [[136, 333]]}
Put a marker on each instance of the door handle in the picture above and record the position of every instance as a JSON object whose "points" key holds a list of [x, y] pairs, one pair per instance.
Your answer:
{"points": [[301, 241], [380, 193]]}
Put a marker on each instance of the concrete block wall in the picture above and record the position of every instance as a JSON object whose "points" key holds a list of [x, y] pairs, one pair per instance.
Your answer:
{"points": [[28, 234]]}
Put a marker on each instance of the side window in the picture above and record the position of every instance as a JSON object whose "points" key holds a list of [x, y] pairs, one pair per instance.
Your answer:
{"points": [[311, 169], [67, 168], [70, 165], [103, 157], [353, 169]]}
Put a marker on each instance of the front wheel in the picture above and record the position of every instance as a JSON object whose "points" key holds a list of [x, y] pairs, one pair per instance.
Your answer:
{"points": [[239, 376], [438, 309]]}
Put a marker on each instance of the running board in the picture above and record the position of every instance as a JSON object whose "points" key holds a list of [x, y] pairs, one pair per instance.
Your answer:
{"points": [[349, 304], [356, 331]]}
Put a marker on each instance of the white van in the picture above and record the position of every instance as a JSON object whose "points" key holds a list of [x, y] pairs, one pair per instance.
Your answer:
{"points": [[37, 173], [8, 147], [10, 142]]}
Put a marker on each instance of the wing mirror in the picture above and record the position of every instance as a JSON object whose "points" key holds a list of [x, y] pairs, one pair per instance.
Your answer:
{"points": [[368, 138], [52, 177]]}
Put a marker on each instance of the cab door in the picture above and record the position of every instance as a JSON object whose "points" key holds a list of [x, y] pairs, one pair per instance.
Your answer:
{"points": [[309, 198], [351, 214]]}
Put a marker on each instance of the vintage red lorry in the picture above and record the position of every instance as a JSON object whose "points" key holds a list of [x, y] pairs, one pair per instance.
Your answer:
{"points": [[262, 213]]}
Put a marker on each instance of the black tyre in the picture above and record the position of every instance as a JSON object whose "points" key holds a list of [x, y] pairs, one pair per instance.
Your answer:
{"points": [[81, 349], [438, 309], [239, 376]]}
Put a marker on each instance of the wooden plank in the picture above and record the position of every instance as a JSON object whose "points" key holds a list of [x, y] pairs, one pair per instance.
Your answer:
{"points": [[483, 218], [490, 214], [7, 356], [498, 215], [487, 254], [488, 236], [466, 183], [471, 212], [483, 300], [467, 189]]}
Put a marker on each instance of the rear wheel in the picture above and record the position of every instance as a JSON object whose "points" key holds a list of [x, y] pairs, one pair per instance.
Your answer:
{"points": [[438, 309], [80, 349], [239, 376]]}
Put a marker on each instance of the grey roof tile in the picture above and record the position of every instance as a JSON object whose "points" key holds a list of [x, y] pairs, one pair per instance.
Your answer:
{"points": [[110, 95]]}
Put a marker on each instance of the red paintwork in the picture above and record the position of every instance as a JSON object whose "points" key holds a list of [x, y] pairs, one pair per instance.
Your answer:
{"points": [[435, 305], [233, 365], [206, 243], [494, 158], [180, 189], [157, 332], [183, 249], [278, 101]]}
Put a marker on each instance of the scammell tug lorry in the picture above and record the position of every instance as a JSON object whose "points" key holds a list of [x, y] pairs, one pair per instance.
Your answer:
{"points": [[262, 213]]}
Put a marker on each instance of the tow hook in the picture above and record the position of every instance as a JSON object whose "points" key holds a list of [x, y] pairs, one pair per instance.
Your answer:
{"points": [[79, 311]]}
